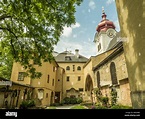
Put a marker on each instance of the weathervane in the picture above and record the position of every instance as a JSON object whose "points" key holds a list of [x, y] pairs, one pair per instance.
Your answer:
{"points": [[103, 10]]}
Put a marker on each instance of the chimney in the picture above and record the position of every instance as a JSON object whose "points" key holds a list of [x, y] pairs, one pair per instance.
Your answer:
{"points": [[77, 53]]}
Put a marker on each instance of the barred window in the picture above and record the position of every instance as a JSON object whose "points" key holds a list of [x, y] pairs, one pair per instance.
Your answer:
{"points": [[21, 76]]}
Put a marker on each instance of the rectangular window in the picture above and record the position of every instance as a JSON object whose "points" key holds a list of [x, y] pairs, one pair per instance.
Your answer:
{"points": [[21, 76], [79, 78], [46, 95], [53, 82], [48, 79], [67, 78], [73, 67], [53, 69], [80, 89]]}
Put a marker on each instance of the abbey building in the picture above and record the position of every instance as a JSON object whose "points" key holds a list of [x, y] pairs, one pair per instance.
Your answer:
{"points": [[74, 75]]}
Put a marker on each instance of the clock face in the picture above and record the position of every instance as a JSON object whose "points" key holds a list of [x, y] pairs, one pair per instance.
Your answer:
{"points": [[111, 33]]}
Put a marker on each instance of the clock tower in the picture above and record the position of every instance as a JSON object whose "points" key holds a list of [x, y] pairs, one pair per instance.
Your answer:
{"points": [[105, 32]]}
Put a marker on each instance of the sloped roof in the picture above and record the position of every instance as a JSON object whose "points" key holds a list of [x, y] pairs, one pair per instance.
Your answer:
{"points": [[67, 56]]}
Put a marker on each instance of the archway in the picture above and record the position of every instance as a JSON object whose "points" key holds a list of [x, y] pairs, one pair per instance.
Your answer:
{"points": [[89, 88]]}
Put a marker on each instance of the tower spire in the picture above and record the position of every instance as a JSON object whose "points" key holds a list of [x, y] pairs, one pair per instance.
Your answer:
{"points": [[103, 14]]}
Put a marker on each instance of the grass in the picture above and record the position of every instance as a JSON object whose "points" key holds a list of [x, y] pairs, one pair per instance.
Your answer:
{"points": [[78, 107]]}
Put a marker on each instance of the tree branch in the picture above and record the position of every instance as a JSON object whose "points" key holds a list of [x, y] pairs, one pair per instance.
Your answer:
{"points": [[11, 40], [4, 16]]}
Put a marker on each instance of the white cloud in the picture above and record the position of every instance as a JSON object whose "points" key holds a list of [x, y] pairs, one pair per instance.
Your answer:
{"points": [[92, 5], [109, 2], [74, 35], [86, 48], [64, 44], [76, 25], [67, 31]]}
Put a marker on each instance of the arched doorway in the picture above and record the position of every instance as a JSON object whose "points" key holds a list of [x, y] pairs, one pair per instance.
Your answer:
{"points": [[89, 88]]}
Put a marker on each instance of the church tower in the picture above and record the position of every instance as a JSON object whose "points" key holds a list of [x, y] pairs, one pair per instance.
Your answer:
{"points": [[105, 32]]}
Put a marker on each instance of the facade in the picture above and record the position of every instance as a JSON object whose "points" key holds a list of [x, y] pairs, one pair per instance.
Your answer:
{"points": [[108, 68], [73, 77], [44, 88]]}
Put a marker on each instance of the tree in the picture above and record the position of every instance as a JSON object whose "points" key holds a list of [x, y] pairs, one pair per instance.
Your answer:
{"points": [[6, 62], [30, 28]]}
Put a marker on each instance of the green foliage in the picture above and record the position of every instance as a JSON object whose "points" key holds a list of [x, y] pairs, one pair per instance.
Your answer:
{"points": [[79, 100], [27, 104], [99, 106], [113, 96], [78, 107], [98, 93], [104, 101], [120, 107], [6, 62], [66, 100], [31, 28], [72, 100]]}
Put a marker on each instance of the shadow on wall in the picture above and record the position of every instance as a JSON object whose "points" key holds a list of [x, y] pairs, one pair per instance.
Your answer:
{"points": [[131, 17]]}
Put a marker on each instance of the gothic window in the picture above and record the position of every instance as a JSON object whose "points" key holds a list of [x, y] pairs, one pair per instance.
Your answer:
{"points": [[67, 68], [78, 68], [113, 73], [98, 79]]}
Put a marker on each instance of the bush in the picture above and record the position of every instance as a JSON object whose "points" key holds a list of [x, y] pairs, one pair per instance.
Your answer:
{"points": [[66, 100], [120, 107], [73, 100], [104, 101], [27, 104], [79, 100]]}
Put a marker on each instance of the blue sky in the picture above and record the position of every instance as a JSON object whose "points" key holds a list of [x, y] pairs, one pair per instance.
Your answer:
{"points": [[81, 35]]}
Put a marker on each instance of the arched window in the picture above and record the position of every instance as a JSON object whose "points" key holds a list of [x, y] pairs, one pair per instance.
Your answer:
{"points": [[78, 68], [67, 68], [98, 79], [113, 73]]}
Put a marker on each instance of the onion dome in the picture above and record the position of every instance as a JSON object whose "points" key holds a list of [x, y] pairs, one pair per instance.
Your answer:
{"points": [[105, 23]]}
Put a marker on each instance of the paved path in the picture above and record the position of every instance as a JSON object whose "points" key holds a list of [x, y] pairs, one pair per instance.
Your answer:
{"points": [[64, 107]]}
